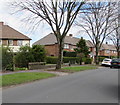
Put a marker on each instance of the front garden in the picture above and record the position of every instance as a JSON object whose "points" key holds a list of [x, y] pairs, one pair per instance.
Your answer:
{"points": [[19, 78]]}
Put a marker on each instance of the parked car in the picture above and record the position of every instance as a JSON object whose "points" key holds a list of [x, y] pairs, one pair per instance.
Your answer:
{"points": [[115, 63], [106, 62]]}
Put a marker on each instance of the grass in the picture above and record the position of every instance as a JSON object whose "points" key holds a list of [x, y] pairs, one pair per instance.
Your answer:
{"points": [[78, 68], [17, 69], [19, 78]]}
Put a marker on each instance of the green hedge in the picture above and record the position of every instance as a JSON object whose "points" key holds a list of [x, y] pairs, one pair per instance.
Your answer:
{"points": [[88, 61], [69, 54], [101, 58], [72, 60], [6, 58], [51, 60]]}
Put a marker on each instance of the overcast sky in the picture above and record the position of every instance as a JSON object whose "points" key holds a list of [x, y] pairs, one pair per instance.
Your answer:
{"points": [[16, 22]]}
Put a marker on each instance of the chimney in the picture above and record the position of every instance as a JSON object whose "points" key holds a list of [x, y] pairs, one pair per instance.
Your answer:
{"points": [[1, 23], [71, 35]]}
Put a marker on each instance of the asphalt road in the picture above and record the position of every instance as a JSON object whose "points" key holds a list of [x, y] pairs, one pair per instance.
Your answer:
{"points": [[92, 86]]}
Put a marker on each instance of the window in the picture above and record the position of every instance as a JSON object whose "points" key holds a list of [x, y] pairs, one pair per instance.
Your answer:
{"points": [[10, 42], [19, 42], [107, 51], [0, 42], [66, 46], [115, 51]]}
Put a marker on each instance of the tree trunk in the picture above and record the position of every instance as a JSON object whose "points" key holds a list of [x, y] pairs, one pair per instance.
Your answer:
{"points": [[60, 55], [96, 57], [118, 53]]}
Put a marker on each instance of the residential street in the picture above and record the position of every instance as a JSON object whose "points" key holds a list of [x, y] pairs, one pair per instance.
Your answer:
{"points": [[91, 86]]}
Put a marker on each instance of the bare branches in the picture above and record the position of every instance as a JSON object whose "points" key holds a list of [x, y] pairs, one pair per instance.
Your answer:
{"points": [[97, 21], [59, 15]]}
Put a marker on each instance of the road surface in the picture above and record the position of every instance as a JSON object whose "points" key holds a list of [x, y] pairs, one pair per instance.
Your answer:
{"points": [[91, 86]]}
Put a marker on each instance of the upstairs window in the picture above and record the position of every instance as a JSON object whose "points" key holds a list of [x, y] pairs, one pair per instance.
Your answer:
{"points": [[66, 46], [19, 42], [10, 42], [107, 51]]}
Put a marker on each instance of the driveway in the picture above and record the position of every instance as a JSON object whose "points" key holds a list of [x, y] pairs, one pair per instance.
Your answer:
{"points": [[92, 86]]}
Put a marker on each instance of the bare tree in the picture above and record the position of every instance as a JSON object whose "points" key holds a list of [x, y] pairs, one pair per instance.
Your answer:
{"points": [[58, 14], [115, 37], [96, 21]]}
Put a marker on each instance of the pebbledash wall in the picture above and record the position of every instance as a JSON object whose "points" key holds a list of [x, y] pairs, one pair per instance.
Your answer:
{"points": [[16, 48], [12, 38]]}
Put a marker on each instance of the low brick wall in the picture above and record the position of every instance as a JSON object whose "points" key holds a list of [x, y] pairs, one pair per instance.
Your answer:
{"points": [[39, 65]]}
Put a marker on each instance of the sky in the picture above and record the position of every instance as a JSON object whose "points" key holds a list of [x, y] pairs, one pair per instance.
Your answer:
{"points": [[16, 21]]}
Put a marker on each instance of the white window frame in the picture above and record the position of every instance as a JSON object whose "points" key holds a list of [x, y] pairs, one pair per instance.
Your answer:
{"points": [[10, 44], [20, 42], [107, 51], [66, 46]]}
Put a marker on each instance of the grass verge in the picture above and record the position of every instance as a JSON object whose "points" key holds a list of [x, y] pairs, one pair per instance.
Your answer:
{"points": [[19, 78], [78, 68]]}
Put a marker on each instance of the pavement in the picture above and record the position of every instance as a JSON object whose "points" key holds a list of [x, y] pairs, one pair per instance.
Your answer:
{"points": [[40, 70], [90, 86]]}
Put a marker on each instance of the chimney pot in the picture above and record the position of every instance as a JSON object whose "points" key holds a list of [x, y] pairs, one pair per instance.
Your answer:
{"points": [[71, 35], [1, 23]]}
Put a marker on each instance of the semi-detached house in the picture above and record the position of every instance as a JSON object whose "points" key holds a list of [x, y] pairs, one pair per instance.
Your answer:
{"points": [[51, 45], [12, 38]]}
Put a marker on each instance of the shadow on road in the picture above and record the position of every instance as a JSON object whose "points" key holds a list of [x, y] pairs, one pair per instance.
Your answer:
{"points": [[112, 91]]}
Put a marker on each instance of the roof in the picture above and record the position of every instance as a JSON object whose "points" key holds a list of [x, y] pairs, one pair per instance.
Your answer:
{"points": [[108, 47], [51, 39], [10, 33]]}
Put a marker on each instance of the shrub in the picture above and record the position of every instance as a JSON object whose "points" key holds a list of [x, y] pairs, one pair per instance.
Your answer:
{"points": [[72, 60], [28, 54], [51, 60], [88, 61], [23, 57], [69, 54], [7, 58], [101, 59], [38, 52]]}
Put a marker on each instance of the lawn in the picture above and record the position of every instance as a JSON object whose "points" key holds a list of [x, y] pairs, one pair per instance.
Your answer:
{"points": [[78, 68], [19, 78]]}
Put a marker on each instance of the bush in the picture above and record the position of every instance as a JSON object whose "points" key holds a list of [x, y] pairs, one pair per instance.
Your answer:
{"points": [[88, 61], [72, 60], [23, 57], [69, 54], [38, 52], [28, 54], [7, 58], [51, 60], [101, 59]]}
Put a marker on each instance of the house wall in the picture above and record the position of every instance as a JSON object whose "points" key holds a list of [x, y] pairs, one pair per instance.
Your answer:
{"points": [[52, 50], [1, 24], [15, 46], [110, 53]]}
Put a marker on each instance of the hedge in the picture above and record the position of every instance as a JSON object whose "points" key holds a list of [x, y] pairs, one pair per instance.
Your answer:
{"points": [[51, 60], [6, 58], [69, 54], [72, 60]]}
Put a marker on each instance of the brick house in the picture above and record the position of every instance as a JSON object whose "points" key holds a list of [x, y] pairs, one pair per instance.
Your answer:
{"points": [[12, 38], [51, 45], [108, 50]]}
